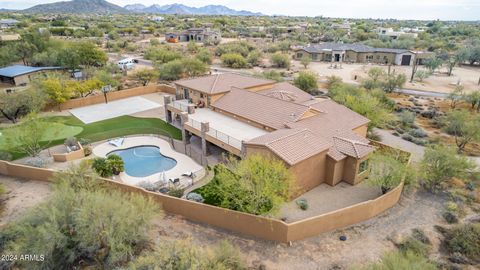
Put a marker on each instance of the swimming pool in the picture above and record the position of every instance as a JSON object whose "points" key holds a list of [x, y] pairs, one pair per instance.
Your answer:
{"points": [[142, 161]]}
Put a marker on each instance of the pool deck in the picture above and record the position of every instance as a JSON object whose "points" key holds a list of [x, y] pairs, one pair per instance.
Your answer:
{"points": [[184, 163]]}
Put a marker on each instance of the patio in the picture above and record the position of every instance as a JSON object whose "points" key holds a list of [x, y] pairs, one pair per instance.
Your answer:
{"points": [[325, 198]]}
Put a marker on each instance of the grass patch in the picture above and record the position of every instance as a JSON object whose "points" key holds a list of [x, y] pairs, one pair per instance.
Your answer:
{"points": [[68, 126]]}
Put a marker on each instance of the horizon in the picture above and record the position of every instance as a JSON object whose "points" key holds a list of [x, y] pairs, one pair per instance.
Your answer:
{"points": [[461, 10]]}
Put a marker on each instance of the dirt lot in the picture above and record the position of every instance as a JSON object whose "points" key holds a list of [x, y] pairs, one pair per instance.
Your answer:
{"points": [[366, 241], [439, 82]]}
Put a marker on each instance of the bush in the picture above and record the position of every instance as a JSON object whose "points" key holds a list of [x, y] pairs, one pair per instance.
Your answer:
{"points": [[307, 81], [386, 171], [302, 203], [102, 167], [192, 196], [280, 60], [415, 246], [5, 156], [419, 141], [450, 217], [81, 225], [254, 58], [407, 137], [36, 162], [84, 141], [399, 130], [71, 142], [87, 151], [418, 133], [234, 60], [175, 192], [116, 163], [464, 239], [401, 261], [407, 118]]}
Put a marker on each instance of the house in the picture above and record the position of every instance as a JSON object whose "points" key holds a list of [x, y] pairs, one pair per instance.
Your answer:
{"points": [[390, 33], [18, 75], [355, 53], [345, 26], [194, 34], [8, 23], [318, 140]]}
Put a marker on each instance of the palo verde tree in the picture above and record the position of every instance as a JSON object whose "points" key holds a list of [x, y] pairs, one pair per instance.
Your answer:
{"points": [[29, 136], [307, 81], [145, 76], [18, 104], [464, 126]]}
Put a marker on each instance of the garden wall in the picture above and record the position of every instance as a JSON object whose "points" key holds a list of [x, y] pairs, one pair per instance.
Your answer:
{"points": [[115, 95], [261, 227], [64, 157]]}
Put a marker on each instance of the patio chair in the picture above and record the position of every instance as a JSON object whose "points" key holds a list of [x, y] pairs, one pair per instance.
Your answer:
{"points": [[116, 142]]}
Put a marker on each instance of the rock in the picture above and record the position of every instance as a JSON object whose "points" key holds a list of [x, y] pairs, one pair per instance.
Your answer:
{"points": [[458, 258], [343, 238]]}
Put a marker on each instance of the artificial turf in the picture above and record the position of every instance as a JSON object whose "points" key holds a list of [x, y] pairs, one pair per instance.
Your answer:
{"points": [[102, 130]]}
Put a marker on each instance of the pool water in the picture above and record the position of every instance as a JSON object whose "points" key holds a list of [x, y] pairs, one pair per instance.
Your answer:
{"points": [[142, 161]]}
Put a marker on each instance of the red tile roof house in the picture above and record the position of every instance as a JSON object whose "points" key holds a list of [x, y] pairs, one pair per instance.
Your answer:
{"points": [[319, 140]]}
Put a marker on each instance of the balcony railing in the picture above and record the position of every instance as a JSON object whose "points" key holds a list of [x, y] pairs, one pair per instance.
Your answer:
{"points": [[181, 104], [234, 142]]}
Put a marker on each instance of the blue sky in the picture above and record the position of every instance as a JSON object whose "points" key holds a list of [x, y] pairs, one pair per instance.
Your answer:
{"points": [[398, 9]]}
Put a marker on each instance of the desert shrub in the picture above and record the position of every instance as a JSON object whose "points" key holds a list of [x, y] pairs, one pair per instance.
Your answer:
{"points": [[204, 56], [255, 185], [307, 81], [36, 162], [374, 136], [464, 239], [440, 163], [399, 130], [240, 47], [415, 246], [450, 217], [400, 261], [418, 133], [192, 196], [272, 75], [418, 141], [254, 57], [407, 118], [87, 151], [102, 228], [395, 134], [280, 60], [147, 185], [407, 137], [234, 60], [302, 203], [5, 156], [386, 171], [175, 192], [185, 255]]}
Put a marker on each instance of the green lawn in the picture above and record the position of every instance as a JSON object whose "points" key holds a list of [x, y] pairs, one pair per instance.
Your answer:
{"points": [[67, 126]]}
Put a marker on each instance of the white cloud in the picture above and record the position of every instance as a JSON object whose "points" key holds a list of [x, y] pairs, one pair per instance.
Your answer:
{"points": [[399, 9]]}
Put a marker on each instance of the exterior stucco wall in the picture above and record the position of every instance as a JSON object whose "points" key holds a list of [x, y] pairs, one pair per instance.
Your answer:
{"points": [[334, 171], [362, 130]]}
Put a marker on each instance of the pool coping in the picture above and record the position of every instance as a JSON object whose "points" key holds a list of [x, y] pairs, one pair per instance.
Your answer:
{"points": [[184, 163]]}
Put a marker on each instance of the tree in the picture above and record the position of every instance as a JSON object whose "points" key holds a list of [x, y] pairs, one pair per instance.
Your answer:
{"points": [[56, 90], [386, 171], [29, 136], [306, 60], [87, 87], [80, 226], [433, 64], [146, 75], [254, 57], [421, 75], [25, 51], [393, 82], [193, 67], [280, 60], [17, 104], [307, 81], [255, 185], [474, 99], [205, 56], [234, 60], [440, 163], [171, 71], [464, 126], [456, 96]]}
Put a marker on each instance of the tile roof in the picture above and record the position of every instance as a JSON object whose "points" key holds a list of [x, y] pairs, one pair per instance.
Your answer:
{"points": [[352, 148], [222, 83], [356, 47], [288, 92], [292, 145], [343, 116], [265, 110]]}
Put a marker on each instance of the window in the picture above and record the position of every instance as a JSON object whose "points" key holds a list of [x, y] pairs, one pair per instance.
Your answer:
{"points": [[201, 95], [363, 166]]}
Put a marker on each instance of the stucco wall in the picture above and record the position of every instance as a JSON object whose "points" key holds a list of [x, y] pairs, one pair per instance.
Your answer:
{"points": [[362, 130], [64, 157], [334, 171]]}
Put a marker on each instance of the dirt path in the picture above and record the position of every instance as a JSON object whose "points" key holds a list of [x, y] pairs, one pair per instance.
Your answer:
{"points": [[366, 241], [21, 195]]}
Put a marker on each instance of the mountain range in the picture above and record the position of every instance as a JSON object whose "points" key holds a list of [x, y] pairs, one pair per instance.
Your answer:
{"points": [[104, 7]]}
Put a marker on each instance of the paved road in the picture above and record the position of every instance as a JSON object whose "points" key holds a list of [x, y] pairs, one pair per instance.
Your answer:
{"points": [[422, 93]]}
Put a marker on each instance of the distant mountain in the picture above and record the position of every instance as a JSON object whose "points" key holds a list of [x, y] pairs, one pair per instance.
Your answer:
{"points": [[186, 10], [78, 6], [6, 10], [135, 7]]}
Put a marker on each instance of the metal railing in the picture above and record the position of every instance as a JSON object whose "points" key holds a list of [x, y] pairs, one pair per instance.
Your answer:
{"points": [[181, 105], [217, 134]]}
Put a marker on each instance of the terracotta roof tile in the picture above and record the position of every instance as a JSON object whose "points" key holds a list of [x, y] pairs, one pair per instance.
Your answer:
{"points": [[288, 92], [268, 111], [292, 145], [221, 83]]}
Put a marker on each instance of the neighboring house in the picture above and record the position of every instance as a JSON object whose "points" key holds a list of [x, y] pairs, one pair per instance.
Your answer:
{"points": [[156, 19], [8, 23], [318, 140], [389, 33], [194, 34], [19, 75], [355, 53]]}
